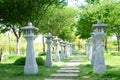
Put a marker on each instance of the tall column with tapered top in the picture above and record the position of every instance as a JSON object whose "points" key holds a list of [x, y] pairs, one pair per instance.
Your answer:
{"points": [[49, 61], [99, 63], [31, 66]]}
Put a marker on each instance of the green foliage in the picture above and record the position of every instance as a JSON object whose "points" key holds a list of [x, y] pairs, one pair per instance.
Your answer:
{"points": [[42, 54], [112, 65], [60, 22], [20, 11], [92, 1], [21, 61], [15, 72], [115, 53], [40, 61], [11, 58], [108, 11]]}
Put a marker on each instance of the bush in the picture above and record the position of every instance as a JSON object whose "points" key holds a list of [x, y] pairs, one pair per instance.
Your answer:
{"points": [[10, 58], [42, 54], [115, 53], [21, 61]]}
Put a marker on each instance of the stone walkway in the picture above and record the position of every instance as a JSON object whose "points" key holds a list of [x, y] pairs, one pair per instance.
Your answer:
{"points": [[69, 71]]}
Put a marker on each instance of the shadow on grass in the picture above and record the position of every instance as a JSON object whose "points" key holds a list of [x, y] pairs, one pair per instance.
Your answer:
{"points": [[86, 73]]}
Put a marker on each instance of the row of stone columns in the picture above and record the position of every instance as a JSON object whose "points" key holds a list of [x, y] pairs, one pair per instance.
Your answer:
{"points": [[31, 66], [94, 48], [66, 49]]}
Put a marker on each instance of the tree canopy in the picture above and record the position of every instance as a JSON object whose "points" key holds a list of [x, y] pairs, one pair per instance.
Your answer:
{"points": [[108, 11], [60, 21]]}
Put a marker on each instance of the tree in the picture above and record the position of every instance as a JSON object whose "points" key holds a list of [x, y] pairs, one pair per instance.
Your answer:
{"points": [[108, 11], [92, 1], [60, 22], [16, 13]]}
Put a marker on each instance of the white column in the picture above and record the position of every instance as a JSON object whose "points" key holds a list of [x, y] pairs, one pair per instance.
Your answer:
{"points": [[31, 66], [30, 63], [99, 64], [93, 42], [62, 54], [57, 56], [49, 61]]}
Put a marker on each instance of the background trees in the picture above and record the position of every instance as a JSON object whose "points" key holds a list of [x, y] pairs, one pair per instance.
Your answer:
{"points": [[16, 13], [60, 22], [108, 11]]}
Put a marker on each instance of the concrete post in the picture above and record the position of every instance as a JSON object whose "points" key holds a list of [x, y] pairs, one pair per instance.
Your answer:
{"points": [[31, 66]]}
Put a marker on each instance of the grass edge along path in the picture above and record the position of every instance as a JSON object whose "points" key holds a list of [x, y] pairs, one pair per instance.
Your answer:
{"points": [[112, 65], [15, 72]]}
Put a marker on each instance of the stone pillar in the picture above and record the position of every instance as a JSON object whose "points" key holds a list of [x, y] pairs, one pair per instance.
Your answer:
{"points": [[49, 61], [62, 54], [68, 49], [90, 48], [92, 56], [65, 48], [99, 64], [73, 48], [31, 66], [87, 48], [56, 42]]}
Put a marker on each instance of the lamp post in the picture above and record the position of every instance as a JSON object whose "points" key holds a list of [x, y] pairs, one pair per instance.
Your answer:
{"points": [[31, 66], [93, 48], [49, 61], [99, 64], [56, 42], [62, 54]]}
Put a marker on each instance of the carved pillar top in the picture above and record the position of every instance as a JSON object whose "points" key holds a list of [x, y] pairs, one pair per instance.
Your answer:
{"points": [[29, 30], [49, 38], [99, 26]]}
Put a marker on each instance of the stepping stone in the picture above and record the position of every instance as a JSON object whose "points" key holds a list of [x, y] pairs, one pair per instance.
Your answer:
{"points": [[59, 79], [74, 71], [64, 75], [72, 64], [71, 68]]}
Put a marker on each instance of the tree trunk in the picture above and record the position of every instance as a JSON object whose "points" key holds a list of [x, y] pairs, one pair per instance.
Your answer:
{"points": [[105, 44], [9, 43], [43, 44], [18, 46], [118, 42], [1, 55]]}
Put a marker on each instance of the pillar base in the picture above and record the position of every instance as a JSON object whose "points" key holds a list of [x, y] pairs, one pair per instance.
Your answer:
{"points": [[31, 69]]}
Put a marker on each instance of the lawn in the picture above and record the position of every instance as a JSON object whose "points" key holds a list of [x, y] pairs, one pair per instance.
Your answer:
{"points": [[112, 65], [8, 71]]}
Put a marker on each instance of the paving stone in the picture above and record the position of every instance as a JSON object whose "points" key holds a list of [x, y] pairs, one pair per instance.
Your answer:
{"points": [[74, 60], [74, 71], [70, 68], [64, 75], [72, 64]]}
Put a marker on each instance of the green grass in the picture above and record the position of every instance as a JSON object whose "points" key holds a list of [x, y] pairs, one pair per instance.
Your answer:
{"points": [[112, 65], [9, 71], [15, 72]]}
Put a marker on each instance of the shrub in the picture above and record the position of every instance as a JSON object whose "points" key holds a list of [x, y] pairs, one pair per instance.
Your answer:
{"points": [[10, 58], [115, 53], [42, 54], [40, 61], [21, 61]]}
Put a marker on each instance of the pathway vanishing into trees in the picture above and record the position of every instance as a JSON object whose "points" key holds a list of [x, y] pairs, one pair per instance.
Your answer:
{"points": [[69, 71]]}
